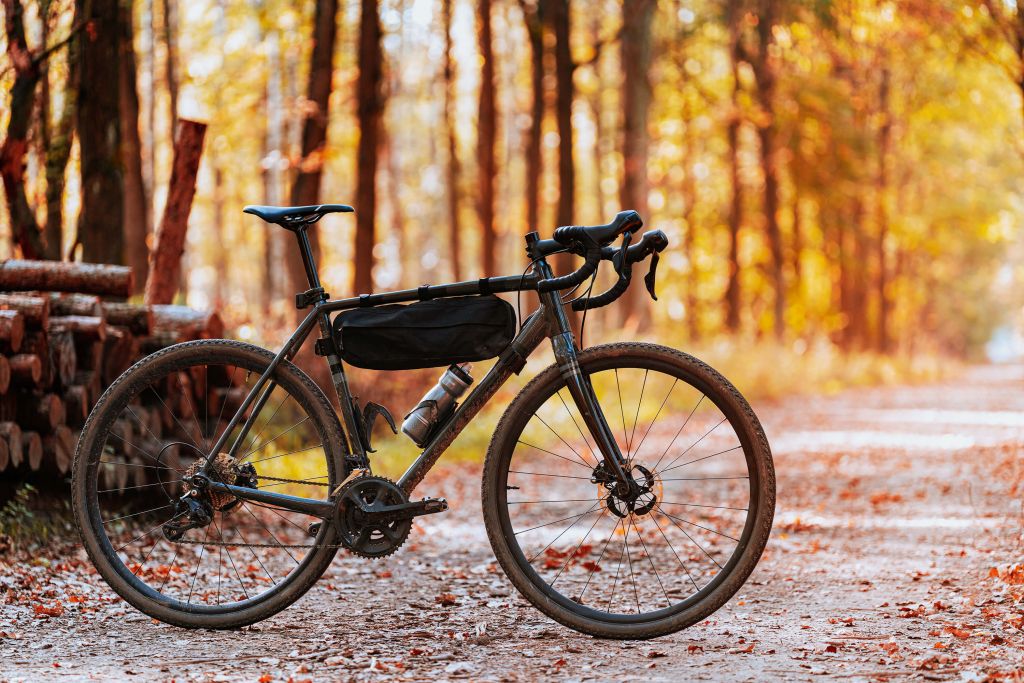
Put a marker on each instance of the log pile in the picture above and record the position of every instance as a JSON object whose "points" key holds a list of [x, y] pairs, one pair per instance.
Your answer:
{"points": [[66, 333]]}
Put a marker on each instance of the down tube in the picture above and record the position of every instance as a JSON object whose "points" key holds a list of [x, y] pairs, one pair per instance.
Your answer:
{"points": [[532, 334]]}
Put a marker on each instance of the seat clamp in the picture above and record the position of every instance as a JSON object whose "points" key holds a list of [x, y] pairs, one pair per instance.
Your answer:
{"points": [[310, 297]]}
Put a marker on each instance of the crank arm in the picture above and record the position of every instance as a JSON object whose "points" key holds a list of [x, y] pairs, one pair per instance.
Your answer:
{"points": [[393, 513]]}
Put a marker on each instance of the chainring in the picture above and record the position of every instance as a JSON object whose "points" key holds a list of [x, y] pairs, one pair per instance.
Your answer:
{"points": [[364, 538]]}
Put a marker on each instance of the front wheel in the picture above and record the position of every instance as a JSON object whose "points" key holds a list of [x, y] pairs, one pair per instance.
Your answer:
{"points": [[665, 556]]}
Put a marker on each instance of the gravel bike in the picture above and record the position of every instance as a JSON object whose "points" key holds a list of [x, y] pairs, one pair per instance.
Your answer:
{"points": [[628, 490]]}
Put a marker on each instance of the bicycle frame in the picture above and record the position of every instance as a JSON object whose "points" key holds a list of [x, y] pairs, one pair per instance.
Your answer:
{"points": [[549, 321]]}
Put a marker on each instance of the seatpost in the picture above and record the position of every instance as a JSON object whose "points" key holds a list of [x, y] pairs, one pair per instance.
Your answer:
{"points": [[308, 262]]}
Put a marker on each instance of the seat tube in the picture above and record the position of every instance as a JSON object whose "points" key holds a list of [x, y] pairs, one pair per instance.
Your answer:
{"points": [[563, 343], [308, 262]]}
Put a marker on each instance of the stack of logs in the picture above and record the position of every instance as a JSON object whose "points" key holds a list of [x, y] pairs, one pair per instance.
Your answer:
{"points": [[66, 333]]}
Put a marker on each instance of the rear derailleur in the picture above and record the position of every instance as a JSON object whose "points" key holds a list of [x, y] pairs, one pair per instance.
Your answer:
{"points": [[195, 509]]}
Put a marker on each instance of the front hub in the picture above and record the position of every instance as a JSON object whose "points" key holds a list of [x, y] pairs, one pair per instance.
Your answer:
{"points": [[636, 496]]}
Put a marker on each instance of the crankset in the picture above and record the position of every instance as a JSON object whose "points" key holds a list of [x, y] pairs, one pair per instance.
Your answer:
{"points": [[374, 515]]}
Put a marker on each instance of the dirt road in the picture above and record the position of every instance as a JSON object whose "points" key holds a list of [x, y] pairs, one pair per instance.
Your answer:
{"points": [[898, 527]]}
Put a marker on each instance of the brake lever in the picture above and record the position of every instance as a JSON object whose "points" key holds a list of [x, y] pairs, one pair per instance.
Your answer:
{"points": [[651, 275]]}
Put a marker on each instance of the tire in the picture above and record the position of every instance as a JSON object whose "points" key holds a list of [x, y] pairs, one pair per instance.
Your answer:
{"points": [[124, 395], [593, 618]]}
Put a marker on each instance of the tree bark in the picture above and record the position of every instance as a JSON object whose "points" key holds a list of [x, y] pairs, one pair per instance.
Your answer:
{"points": [[58, 152], [882, 212], [487, 131], [136, 203], [453, 170], [733, 293], [12, 330], [165, 259], [534, 17], [25, 227], [764, 72], [100, 224], [370, 109], [170, 36], [306, 188], [557, 11], [637, 17]]}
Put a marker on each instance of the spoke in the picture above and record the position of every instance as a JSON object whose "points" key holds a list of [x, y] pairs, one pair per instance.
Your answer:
{"points": [[576, 462], [174, 417], [695, 505], [266, 424], [277, 511], [559, 436], [202, 548], [597, 564], [195, 413], [656, 415], [531, 502], [563, 519], [578, 428], [541, 474], [224, 403], [636, 418], [129, 488], [146, 559], [685, 422], [702, 478], [135, 514], [220, 533], [672, 547], [572, 555], [297, 450], [142, 424], [690, 462], [170, 569], [287, 552], [274, 439], [140, 450], [676, 525], [141, 536], [685, 521], [650, 559], [693, 445], [629, 560], [618, 567], [129, 464], [622, 413], [220, 551], [258, 560]]}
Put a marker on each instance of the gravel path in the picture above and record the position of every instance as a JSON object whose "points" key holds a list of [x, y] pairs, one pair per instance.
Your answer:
{"points": [[896, 554]]}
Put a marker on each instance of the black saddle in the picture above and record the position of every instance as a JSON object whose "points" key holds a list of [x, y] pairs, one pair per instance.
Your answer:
{"points": [[291, 217]]}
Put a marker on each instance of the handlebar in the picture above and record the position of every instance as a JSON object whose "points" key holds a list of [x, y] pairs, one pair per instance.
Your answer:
{"points": [[652, 243]]}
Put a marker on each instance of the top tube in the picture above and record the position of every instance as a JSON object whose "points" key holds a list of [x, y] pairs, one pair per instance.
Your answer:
{"points": [[487, 285]]}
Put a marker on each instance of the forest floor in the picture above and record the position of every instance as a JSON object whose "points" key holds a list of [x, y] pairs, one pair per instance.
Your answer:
{"points": [[896, 555]]}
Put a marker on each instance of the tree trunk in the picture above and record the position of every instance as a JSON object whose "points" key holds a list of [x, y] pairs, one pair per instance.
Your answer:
{"points": [[733, 293], [534, 16], [165, 259], [136, 204], [557, 11], [487, 131], [637, 16], [84, 278], [273, 153], [170, 26], [689, 193], [58, 151], [882, 213], [764, 71], [25, 228], [101, 225], [452, 170], [369, 112], [306, 188]]}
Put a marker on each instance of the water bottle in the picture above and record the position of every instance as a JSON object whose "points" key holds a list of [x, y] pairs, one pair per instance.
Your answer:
{"points": [[437, 403]]}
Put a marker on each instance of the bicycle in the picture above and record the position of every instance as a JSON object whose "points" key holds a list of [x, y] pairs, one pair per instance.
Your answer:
{"points": [[598, 532]]}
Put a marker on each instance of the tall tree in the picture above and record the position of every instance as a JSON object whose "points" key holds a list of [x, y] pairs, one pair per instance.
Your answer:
{"points": [[452, 170], [558, 13], [136, 203], [101, 224], [884, 144], [533, 15], [487, 127], [733, 16], [762, 62], [637, 17], [306, 187], [170, 36], [369, 110], [60, 136]]}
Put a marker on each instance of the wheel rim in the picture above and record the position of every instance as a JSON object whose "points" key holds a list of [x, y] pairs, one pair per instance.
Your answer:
{"points": [[145, 446], [602, 555]]}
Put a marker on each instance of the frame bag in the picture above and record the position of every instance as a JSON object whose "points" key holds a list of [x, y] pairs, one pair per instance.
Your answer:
{"points": [[426, 334]]}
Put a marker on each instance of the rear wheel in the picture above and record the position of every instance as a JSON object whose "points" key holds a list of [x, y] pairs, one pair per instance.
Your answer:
{"points": [[150, 430], [680, 544]]}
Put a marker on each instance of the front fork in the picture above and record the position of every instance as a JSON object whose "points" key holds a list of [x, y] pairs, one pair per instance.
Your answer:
{"points": [[580, 387]]}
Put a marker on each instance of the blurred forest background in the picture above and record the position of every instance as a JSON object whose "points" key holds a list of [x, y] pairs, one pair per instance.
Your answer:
{"points": [[840, 178]]}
